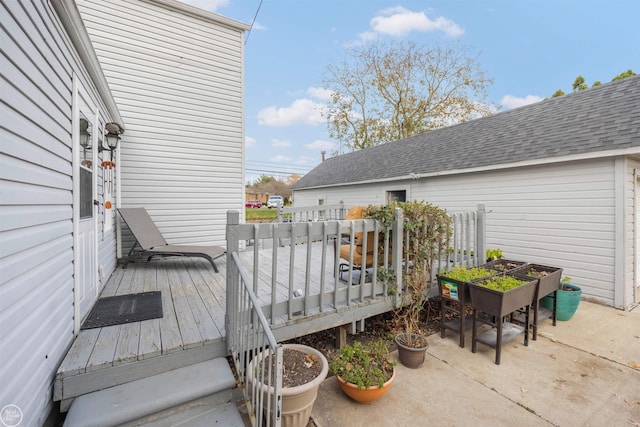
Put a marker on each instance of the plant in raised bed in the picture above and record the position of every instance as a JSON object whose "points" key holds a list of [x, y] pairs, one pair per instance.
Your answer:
{"points": [[364, 372], [502, 283], [454, 294], [497, 297], [503, 265], [494, 254], [466, 274]]}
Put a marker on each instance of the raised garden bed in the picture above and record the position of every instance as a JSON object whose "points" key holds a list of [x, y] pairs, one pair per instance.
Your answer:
{"points": [[454, 295], [498, 297], [548, 278]]}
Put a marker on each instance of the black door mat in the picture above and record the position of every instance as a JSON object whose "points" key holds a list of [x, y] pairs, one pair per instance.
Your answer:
{"points": [[120, 309]]}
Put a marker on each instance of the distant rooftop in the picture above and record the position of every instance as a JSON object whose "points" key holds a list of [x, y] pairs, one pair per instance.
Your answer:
{"points": [[600, 121]]}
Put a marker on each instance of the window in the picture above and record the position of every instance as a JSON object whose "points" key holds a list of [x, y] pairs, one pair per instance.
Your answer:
{"points": [[86, 168], [396, 196]]}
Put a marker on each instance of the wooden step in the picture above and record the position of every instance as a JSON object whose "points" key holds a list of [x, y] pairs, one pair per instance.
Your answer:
{"points": [[137, 399]]}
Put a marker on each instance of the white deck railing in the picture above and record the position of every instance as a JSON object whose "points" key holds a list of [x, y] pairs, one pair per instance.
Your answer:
{"points": [[300, 288], [313, 213], [256, 354]]}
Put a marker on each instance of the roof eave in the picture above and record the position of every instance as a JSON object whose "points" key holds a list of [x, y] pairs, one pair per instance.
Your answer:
{"points": [[205, 14], [533, 162], [71, 20]]}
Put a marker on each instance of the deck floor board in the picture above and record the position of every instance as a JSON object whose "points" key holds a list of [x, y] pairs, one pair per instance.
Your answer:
{"points": [[193, 324]]}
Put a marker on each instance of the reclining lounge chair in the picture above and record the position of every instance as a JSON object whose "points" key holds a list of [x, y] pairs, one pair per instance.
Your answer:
{"points": [[150, 243]]}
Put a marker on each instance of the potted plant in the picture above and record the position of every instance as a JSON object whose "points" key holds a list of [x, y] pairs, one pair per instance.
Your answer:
{"points": [[567, 300], [304, 368], [494, 254], [365, 372], [427, 229], [498, 296]]}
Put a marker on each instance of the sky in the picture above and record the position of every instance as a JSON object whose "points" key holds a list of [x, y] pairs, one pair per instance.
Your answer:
{"points": [[530, 48]]}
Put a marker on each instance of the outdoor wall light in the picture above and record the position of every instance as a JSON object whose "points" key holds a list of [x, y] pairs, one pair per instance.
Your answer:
{"points": [[112, 136], [85, 134]]}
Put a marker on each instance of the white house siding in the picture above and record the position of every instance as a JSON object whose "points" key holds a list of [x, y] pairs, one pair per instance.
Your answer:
{"points": [[632, 251], [559, 214], [178, 80], [36, 228]]}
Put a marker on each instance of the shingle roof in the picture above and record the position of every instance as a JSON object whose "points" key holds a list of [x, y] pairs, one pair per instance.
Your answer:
{"points": [[600, 119]]}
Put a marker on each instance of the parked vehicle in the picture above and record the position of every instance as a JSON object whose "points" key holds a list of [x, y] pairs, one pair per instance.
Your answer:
{"points": [[253, 204], [275, 202]]}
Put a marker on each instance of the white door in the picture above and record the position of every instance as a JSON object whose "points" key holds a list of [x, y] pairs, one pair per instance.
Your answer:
{"points": [[85, 139]]}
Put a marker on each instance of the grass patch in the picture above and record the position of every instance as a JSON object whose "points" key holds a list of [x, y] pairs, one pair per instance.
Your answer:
{"points": [[261, 214]]}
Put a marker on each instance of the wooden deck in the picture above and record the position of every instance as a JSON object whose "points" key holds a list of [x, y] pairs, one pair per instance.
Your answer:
{"points": [[193, 326], [190, 331]]}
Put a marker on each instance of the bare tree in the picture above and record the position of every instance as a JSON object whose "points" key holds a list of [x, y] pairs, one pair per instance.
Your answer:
{"points": [[383, 92]]}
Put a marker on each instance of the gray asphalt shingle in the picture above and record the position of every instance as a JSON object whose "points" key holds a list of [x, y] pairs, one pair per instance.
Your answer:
{"points": [[599, 119]]}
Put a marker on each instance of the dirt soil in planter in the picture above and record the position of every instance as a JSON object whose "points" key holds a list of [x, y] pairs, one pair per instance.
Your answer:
{"points": [[299, 367], [383, 326]]}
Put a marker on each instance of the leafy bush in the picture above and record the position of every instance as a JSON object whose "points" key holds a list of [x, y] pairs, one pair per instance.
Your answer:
{"points": [[363, 365]]}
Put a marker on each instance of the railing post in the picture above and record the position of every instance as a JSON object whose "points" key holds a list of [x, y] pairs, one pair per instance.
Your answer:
{"points": [[233, 276], [481, 235], [397, 234]]}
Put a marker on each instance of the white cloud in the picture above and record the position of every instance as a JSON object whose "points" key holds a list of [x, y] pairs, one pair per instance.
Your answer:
{"points": [[280, 143], [258, 26], [303, 111], [319, 93], [210, 5], [399, 21], [319, 145], [510, 101], [249, 141]]}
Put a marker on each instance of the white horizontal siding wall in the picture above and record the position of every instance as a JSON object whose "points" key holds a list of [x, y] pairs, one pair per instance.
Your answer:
{"points": [[559, 214], [632, 234], [351, 195], [178, 81], [36, 205]]}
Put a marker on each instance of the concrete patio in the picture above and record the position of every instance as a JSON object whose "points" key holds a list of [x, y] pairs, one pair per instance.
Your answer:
{"points": [[584, 372]]}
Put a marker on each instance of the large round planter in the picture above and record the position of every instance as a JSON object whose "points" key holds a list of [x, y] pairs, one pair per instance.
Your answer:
{"points": [[365, 395], [568, 301], [297, 402], [411, 357]]}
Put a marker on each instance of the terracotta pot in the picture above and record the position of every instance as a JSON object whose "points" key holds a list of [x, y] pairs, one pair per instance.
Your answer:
{"points": [[411, 357], [365, 395]]}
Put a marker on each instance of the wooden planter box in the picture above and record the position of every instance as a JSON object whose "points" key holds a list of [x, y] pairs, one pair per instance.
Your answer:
{"points": [[497, 305], [454, 294], [504, 265], [548, 283]]}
